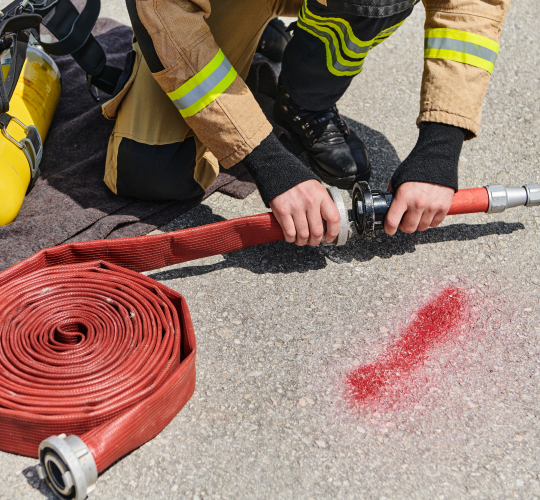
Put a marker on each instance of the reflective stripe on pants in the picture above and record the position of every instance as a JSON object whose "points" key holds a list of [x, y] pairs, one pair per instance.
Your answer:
{"points": [[345, 52]]}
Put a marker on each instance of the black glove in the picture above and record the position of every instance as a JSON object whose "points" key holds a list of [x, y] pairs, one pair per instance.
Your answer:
{"points": [[274, 169], [435, 157]]}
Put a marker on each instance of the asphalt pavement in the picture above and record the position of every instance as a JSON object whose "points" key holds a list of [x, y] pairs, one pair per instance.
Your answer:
{"points": [[279, 328]]}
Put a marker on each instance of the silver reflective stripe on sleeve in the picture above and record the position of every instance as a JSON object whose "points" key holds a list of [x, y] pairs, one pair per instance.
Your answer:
{"points": [[204, 87], [461, 46]]}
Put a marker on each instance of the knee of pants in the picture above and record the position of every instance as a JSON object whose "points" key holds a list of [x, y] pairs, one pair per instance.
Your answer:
{"points": [[157, 172]]}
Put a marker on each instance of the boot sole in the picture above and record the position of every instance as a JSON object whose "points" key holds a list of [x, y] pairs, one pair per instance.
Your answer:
{"points": [[339, 182]]}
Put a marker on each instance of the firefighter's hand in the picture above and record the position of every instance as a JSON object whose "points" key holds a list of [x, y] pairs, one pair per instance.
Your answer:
{"points": [[300, 211], [417, 206]]}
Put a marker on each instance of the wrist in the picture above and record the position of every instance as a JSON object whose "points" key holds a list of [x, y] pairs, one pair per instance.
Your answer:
{"points": [[274, 169], [435, 157]]}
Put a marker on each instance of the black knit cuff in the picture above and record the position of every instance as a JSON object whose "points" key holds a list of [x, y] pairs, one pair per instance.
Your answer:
{"points": [[435, 157], [274, 169]]}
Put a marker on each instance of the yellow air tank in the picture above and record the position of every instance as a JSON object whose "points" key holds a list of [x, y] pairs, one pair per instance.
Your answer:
{"points": [[32, 107]]}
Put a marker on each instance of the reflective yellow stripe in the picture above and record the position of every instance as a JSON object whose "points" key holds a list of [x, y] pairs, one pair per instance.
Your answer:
{"points": [[348, 45], [204, 87], [334, 61], [461, 46], [324, 23], [351, 45]]}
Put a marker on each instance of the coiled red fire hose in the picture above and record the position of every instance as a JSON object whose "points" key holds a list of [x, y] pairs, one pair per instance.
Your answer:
{"points": [[90, 347]]}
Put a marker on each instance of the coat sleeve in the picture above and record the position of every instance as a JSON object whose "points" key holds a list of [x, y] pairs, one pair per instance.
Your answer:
{"points": [[460, 49], [189, 66]]}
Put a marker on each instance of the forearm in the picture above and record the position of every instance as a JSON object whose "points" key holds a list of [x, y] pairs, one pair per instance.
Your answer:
{"points": [[201, 82], [435, 157], [461, 45], [424, 184]]}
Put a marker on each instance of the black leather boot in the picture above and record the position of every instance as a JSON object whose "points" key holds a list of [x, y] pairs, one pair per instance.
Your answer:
{"points": [[336, 153]]}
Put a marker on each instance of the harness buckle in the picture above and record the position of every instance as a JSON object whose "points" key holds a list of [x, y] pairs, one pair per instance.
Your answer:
{"points": [[25, 5], [31, 145]]}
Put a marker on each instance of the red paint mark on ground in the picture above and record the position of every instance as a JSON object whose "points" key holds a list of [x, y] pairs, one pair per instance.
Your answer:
{"points": [[437, 322]]}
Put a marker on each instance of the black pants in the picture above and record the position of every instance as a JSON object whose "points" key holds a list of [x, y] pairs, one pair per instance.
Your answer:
{"points": [[157, 173], [308, 72]]}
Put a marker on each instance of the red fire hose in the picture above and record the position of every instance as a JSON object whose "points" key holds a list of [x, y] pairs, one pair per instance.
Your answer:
{"points": [[470, 201], [90, 347]]}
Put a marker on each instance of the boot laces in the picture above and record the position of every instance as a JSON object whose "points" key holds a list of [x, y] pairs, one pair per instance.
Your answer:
{"points": [[325, 126]]}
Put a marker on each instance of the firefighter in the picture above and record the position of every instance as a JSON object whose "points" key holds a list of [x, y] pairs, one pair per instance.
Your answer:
{"points": [[183, 107]]}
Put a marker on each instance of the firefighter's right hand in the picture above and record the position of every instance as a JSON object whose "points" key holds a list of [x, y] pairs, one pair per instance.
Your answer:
{"points": [[299, 211]]}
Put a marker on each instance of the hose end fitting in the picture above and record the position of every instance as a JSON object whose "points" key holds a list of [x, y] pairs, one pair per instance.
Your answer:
{"points": [[344, 228], [369, 209], [533, 195], [68, 467], [501, 198]]}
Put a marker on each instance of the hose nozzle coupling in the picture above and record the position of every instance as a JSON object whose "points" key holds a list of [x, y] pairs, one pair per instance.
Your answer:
{"points": [[370, 206], [369, 209], [501, 198], [68, 467], [344, 228]]}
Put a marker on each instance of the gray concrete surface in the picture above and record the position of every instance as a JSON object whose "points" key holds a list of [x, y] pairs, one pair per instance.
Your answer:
{"points": [[278, 327]]}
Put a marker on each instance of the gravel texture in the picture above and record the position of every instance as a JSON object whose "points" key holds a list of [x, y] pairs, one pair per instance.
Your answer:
{"points": [[278, 327]]}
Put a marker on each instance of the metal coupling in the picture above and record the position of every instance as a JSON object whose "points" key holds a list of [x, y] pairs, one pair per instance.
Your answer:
{"points": [[344, 228], [533, 195], [501, 198], [68, 467]]}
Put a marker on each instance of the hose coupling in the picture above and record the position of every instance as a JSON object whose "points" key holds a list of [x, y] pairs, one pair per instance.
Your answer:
{"points": [[369, 209], [533, 195], [501, 198], [345, 231], [68, 467]]}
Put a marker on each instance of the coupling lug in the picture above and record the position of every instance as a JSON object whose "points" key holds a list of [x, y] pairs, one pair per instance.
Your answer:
{"points": [[533, 195], [68, 467], [497, 198], [344, 227], [42, 474]]}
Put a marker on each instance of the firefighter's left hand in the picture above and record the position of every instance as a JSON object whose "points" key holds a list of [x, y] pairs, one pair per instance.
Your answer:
{"points": [[418, 206]]}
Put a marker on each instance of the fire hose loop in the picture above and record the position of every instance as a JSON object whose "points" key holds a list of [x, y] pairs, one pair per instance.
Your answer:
{"points": [[91, 348], [82, 346], [86, 340]]}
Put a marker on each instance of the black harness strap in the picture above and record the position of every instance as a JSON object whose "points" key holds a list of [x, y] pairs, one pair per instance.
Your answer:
{"points": [[5, 118], [74, 33], [72, 29], [19, 37]]}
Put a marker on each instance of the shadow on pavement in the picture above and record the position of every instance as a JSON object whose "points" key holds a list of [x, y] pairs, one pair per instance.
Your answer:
{"points": [[386, 247], [31, 476], [382, 155], [281, 257]]}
